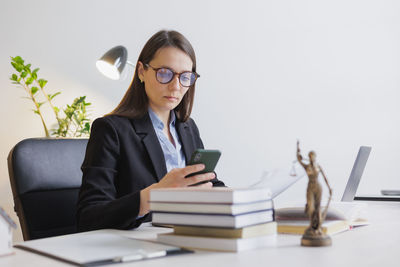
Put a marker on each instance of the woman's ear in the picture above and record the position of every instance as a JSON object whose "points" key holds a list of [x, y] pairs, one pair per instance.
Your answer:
{"points": [[140, 71]]}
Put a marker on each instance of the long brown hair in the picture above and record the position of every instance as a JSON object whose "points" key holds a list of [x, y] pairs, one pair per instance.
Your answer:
{"points": [[135, 103]]}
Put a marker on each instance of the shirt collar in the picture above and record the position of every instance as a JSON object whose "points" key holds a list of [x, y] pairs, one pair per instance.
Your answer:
{"points": [[172, 118], [156, 121]]}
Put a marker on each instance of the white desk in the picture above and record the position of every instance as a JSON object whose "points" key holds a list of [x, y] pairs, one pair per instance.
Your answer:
{"points": [[377, 244]]}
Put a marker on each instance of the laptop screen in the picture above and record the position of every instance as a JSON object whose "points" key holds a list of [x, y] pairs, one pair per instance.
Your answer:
{"points": [[356, 173]]}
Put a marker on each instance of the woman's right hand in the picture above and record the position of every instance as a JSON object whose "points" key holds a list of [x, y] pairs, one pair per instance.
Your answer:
{"points": [[176, 178]]}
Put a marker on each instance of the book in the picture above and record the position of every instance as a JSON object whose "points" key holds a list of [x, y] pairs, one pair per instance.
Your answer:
{"points": [[98, 248], [213, 220], [233, 209], [298, 227], [245, 232], [355, 214], [210, 195], [218, 244]]}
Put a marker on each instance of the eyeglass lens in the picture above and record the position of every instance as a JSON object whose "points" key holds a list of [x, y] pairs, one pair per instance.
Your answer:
{"points": [[186, 78]]}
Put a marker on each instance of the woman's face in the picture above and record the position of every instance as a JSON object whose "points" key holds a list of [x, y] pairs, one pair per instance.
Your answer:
{"points": [[165, 97]]}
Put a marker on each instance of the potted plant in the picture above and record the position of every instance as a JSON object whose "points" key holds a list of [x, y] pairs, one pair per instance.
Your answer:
{"points": [[73, 122]]}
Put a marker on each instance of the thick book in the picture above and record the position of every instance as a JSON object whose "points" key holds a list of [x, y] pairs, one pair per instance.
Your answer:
{"points": [[213, 220], [233, 209], [245, 232], [298, 227], [355, 214], [210, 195], [218, 244]]}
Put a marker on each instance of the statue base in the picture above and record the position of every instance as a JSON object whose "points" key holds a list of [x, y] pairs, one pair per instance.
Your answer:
{"points": [[315, 239]]}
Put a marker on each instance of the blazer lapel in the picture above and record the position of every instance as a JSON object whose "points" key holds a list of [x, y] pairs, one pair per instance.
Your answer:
{"points": [[144, 127], [184, 134]]}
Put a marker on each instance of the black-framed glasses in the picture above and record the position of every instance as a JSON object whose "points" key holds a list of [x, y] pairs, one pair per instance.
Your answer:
{"points": [[165, 75]]}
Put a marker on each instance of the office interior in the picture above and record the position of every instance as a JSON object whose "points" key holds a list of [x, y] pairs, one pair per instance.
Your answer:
{"points": [[272, 72]]}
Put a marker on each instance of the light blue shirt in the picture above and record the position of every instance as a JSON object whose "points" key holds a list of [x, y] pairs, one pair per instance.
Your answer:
{"points": [[174, 157]]}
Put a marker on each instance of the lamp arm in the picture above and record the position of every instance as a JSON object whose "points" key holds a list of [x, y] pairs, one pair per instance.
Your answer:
{"points": [[130, 63]]}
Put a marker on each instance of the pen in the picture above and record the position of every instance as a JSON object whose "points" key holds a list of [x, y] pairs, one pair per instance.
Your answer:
{"points": [[140, 255]]}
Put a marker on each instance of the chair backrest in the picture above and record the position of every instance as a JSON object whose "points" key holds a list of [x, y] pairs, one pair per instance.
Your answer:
{"points": [[45, 176]]}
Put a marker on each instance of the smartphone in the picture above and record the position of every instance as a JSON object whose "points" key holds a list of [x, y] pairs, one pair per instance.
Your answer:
{"points": [[208, 157]]}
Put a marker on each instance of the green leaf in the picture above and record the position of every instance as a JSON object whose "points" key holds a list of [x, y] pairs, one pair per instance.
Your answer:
{"points": [[56, 109], [40, 103], [15, 82], [28, 68], [17, 66], [20, 67], [35, 70], [37, 112], [29, 81], [34, 75], [54, 95], [18, 60], [34, 89], [42, 82], [14, 77], [23, 74]]}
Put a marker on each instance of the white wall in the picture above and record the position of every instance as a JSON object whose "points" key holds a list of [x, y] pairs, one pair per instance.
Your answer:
{"points": [[324, 72]]}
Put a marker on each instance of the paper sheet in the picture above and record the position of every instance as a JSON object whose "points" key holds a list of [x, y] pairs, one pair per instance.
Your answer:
{"points": [[278, 180]]}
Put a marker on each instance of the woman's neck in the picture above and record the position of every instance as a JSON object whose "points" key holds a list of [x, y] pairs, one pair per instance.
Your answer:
{"points": [[164, 116]]}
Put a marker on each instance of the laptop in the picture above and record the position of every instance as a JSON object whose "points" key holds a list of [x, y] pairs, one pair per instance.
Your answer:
{"points": [[356, 173], [355, 177], [279, 180]]}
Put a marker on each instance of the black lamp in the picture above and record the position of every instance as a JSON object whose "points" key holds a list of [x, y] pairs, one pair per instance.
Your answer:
{"points": [[113, 62]]}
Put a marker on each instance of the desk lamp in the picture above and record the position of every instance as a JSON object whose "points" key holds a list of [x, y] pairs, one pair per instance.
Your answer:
{"points": [[113, 62]]}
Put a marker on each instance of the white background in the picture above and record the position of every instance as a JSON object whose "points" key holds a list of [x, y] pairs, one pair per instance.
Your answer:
{"points": [[272, 72]]}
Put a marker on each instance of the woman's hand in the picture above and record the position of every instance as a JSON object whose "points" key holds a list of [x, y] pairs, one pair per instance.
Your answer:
{"points": [[176, 178]]}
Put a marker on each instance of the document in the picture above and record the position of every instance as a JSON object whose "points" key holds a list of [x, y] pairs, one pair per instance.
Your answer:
{"points": [[98, 248], [278, 180]]}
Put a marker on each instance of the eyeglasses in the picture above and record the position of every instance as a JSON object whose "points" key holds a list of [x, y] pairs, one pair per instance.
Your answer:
{"points": [[165, 75]]}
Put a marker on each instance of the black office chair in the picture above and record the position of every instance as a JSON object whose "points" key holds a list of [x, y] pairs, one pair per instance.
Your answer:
{"points": [[45, 177]]}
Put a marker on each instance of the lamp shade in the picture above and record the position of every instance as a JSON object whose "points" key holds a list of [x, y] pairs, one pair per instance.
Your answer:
{"points": [[113, 62]]}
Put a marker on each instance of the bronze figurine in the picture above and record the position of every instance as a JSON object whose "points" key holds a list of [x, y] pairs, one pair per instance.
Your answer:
{"points": [[313, 235]]}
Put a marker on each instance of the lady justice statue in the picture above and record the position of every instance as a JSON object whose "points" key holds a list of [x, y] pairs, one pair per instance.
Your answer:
{"points": [[313, 235]]}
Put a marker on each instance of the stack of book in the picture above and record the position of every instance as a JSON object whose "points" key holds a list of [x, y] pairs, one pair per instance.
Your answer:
{"points": [[223, 219]]}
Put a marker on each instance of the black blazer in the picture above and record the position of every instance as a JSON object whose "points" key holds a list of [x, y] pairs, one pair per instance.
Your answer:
{"points": [[123, 156]]}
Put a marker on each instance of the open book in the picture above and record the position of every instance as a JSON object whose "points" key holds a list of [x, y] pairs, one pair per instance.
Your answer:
{"points": [[298, 227], [354, 214]]}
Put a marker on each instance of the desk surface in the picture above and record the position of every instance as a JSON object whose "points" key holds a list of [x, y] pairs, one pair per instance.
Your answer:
{"points": [[374, 245]]}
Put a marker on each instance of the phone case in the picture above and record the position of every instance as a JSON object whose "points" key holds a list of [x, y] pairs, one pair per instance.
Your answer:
{"points": [[208, 157]]}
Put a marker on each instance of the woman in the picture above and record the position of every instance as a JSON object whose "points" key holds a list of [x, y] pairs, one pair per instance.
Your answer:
{"points": [[146, 141]]}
